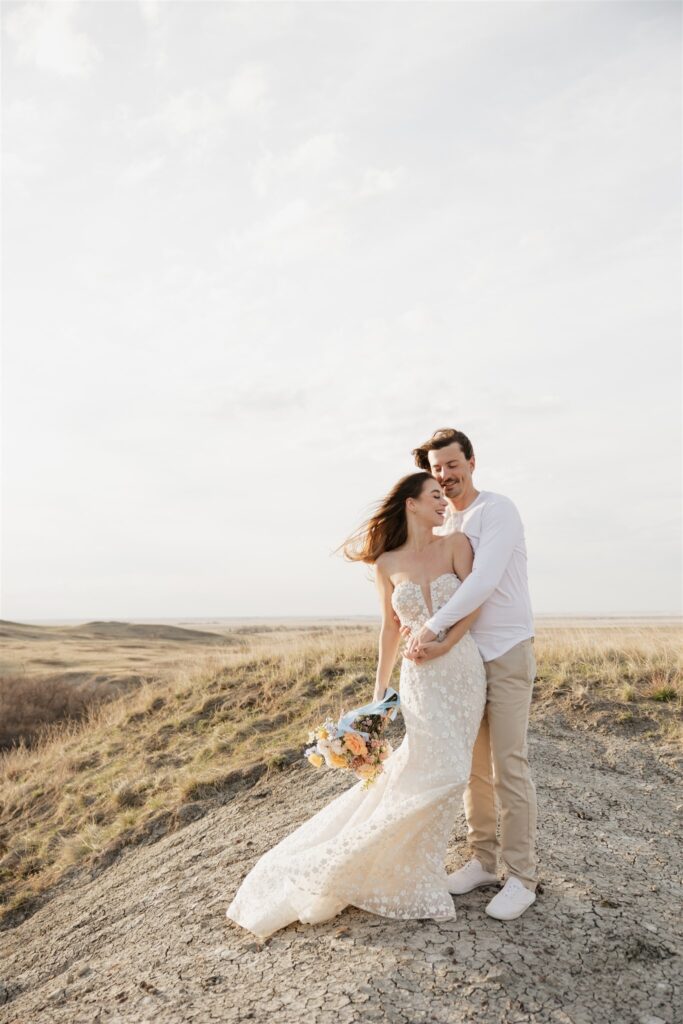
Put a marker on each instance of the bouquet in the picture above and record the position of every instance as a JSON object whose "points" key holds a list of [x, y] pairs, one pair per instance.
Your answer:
{"points": [[356, 743]]}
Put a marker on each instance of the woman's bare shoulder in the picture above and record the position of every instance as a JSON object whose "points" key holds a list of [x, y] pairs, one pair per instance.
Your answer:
{"points": [[382, 563], [458, 541], [461, 554], [387, 563], [451, 541]]}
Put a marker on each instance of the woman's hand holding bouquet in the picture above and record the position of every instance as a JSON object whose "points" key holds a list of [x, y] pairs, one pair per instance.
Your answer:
{"points": [[355, 743]]}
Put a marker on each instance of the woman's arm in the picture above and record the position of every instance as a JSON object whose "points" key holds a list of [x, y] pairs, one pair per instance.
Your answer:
{"points": [[389, 635]]}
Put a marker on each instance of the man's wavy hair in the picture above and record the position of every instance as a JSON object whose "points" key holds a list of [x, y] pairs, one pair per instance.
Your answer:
{"points": [[441, 439]]}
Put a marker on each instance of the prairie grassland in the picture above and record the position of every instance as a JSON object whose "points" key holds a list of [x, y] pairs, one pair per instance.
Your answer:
{"points": [[624, 678], [626, 663], [156, 758], [57, 672]]}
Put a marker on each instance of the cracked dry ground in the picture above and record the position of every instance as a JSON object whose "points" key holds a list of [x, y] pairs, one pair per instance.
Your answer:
{"points": [[147, 940]]}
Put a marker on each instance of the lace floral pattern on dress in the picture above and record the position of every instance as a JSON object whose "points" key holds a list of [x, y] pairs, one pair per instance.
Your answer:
{"points": [[383, 849]]}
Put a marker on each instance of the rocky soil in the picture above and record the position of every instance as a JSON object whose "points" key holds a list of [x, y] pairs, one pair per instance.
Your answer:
{"points": [[146, 940]]}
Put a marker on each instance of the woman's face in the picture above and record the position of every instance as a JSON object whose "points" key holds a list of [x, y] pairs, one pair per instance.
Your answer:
{"points": [[430, 506]]}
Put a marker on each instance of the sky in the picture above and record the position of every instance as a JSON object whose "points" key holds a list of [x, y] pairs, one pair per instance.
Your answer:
{"points": [[254, 253]]}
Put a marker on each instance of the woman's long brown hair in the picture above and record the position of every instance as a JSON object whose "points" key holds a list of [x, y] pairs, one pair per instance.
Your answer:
{"points": [[387, 529]]}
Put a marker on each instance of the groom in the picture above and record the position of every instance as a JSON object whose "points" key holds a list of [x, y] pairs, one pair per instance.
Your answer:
{"points": [[504, 632]]}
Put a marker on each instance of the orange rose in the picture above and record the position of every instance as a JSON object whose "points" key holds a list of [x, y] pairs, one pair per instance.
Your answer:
{"points": [[356, 744]]}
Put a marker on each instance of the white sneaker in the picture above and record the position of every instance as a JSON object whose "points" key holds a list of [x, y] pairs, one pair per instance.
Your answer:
{"points": [[470, 877], [512, 900]]}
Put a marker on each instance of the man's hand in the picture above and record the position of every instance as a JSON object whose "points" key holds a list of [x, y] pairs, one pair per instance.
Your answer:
{"points": [[427, 652], [418, 640]]}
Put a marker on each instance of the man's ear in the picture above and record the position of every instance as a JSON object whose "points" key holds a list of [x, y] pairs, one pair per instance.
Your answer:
{"points": [[473, 464]]}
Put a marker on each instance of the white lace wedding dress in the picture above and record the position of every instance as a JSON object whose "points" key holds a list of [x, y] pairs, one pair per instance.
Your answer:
{"points": [[383, 849]]}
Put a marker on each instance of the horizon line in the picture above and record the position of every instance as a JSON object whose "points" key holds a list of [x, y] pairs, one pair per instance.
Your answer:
{"points": [[318, 617]]}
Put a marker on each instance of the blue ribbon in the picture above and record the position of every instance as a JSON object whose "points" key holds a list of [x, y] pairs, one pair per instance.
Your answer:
{"points": [[390, 703]]}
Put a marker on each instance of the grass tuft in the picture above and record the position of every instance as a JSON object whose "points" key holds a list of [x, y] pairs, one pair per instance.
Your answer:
{"points": [[664, 694]]}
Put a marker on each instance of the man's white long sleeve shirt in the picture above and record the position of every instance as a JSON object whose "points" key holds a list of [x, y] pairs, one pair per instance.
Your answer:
{"points": [[498, 581]]}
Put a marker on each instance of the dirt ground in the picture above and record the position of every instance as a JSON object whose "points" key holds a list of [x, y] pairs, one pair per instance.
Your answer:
{"points": [[146, 940]]}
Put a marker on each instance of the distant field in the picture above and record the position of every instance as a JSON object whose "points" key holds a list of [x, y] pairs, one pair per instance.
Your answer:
{"points": [[51, 672]]}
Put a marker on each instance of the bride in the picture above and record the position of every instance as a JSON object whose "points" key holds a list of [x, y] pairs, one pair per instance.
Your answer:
{"points": [[382, 849]]}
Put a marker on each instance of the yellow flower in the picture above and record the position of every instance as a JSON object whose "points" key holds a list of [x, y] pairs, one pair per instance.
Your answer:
{"points": [[337, 760], [323, 734], [316, 760]]}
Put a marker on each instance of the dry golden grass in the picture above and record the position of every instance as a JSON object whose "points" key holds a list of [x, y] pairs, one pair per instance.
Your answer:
{"points": [[612, 666], [151, 760], [52, 673], [127, 773], [29, 703]]}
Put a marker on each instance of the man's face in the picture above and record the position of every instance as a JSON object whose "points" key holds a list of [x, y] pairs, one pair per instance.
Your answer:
{"points": [[453, 471]]}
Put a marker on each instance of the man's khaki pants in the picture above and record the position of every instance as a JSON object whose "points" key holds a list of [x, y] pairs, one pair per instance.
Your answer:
{"points": [[500, 768]]}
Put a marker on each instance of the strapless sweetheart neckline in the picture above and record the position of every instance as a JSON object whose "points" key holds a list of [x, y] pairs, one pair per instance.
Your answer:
{"points": [[430, 584], [425, 590]]}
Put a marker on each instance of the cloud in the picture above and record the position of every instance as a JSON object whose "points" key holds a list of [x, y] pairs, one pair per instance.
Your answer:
{"points": [[316, 154], [150, 11], [17, 168], [141, 170], [262, 401], [377, 181], [45, 37], [189, 113], [539, 405], [295, 232], [312, 158], [248, 90], [204, 116]]}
